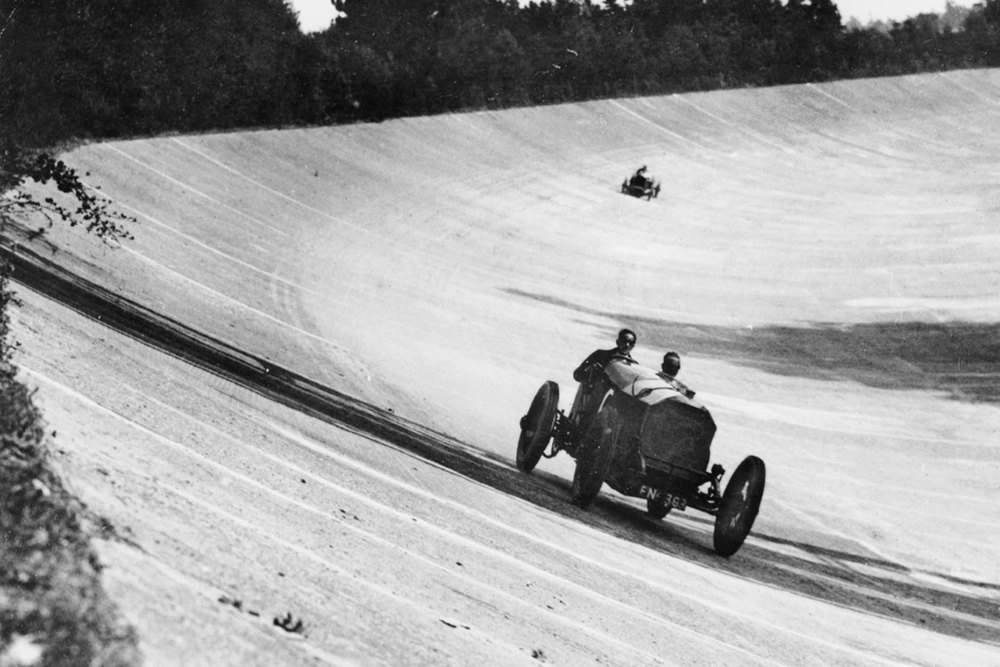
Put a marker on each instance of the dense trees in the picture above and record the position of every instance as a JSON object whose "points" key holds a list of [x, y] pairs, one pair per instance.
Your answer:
{"points": [[82, 68]]}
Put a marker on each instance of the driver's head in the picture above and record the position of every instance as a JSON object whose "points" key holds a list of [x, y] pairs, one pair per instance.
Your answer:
{"points": [[626, 340], [671, 364]]}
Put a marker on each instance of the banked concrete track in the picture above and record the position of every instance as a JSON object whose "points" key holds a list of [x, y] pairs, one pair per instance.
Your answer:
{"points": [[824, 257]]}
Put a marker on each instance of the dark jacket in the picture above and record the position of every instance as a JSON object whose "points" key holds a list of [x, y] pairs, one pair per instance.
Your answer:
{"points": [[598, 359]]}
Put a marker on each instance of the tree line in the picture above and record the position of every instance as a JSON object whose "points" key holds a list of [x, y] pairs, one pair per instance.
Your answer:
{"points": [[113, 68]]}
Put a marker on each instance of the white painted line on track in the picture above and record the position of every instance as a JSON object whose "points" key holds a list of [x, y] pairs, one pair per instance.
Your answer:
{"points": [[170, 178], [404, 250], [813, 87], [254, 181], [755, 135], [636, 114], [205, 246], [922, 140], [442, 532], [224, 297], [950, 79], [277, 193]]}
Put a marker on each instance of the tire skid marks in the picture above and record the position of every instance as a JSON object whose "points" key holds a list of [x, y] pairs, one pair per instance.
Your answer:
{"points": [[253, 181], [215, 251], [908, 491], [916, 512], [277, 193], [417, 252], [925, 535], [740, 128], [230, 299], [168, 177], [679, 137], [858, 113], [813, 87], [377, 588], [889, 597], [953, 81], [830, 530]]}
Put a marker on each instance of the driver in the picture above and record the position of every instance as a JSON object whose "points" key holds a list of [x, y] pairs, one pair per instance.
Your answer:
{"points": [[639, 177], [598, 359], [592, 388]]}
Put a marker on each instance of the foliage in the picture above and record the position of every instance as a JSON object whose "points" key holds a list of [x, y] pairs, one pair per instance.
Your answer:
{"points": [[49, 573], [7, 298], [87, 69], [92, 211]]}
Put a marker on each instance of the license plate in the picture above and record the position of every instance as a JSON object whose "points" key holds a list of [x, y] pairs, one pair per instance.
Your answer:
{"points": [[668, 499]]}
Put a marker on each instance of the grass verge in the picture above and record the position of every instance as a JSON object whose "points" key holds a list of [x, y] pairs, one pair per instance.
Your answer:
{"points": [[53, 608]]}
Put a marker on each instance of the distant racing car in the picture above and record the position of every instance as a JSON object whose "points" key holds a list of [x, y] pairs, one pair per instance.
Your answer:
{"points": [[639, 185], [644, 436]]}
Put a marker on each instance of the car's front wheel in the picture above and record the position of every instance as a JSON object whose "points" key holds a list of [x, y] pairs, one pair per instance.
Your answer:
{"points": [[537, 425], [739, 506], [593, 459]]}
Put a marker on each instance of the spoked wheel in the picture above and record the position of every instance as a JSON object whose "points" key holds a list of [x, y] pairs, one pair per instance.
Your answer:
{"points": [[594, 458], [536, 426], [657, 507], [739, 506]]}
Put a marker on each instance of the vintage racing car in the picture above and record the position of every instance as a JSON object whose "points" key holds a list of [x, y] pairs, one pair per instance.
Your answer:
{"points": [[644, 436], [641, 186]]}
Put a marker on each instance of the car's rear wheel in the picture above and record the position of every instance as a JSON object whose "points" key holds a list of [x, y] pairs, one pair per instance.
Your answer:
{"points": [[739, 506], [593, 459], [657, 507], [536, 426]]}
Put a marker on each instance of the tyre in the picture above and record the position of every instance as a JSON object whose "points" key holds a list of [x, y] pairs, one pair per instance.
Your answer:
{"points": [[536, 426], [593, 459], [657, 507], [739, 506]]}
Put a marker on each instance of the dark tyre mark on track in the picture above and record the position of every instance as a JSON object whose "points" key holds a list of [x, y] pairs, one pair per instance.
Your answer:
{"points": [[961, 359]]}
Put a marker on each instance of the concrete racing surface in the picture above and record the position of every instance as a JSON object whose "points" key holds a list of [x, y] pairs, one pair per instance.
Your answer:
{"points": [[295, 395]]}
